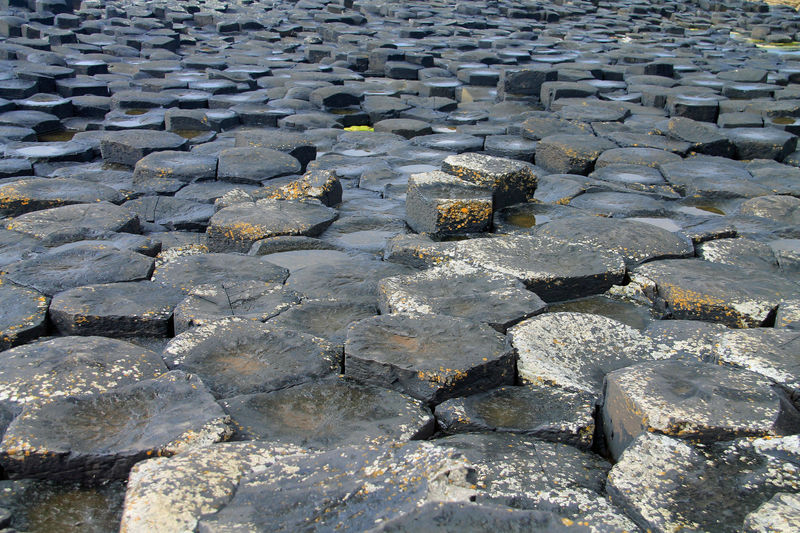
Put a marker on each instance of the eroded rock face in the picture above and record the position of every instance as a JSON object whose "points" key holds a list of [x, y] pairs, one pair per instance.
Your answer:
{"points": [[99, 437], [237, 356], [695, 401], [657, 475], [430, 357]]}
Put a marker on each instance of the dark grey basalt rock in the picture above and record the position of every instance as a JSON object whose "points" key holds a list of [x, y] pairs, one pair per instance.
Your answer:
{"points": [[460, 290], [34, 194], [700, 290], [128, 147], [187, 272], [100, 437], [696, 401], [293, 144], [236, 356], [253, 165], [542, 412], [75, 221], [326, 318], [784, 209], [78, 264], [430, 357], [658, 475], [245, 299], [745, 253], [46, 370], [171, 213], [182, 166], [329, 414], [236, 228], [441, 204], [766, 351], [575, 351], [510, 181], [23, 315], [139, 308], [526, 473], [571, 154]]}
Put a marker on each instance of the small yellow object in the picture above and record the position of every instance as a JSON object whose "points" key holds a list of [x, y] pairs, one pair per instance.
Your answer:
{"points": [[359, 128]]}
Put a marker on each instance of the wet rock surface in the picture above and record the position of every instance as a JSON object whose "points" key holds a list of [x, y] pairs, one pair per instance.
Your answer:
{"points": [[535, 223]]}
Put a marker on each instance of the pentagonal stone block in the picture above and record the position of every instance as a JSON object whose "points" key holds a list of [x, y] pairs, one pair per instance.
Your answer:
{"points": [[571, 154], [70, 366], [129, 146], [34, 194], [253, 165], [237, 227], [460, 290], [23, 315], [237, 356], [445, 205], [330, 413], [101, 437], [188, 271], [510, 181], [700, 290], [244, 299], [139, 308], [543, 412], [692, 400], [80, 220], [429, 357], [575, 350], [78, 264]]}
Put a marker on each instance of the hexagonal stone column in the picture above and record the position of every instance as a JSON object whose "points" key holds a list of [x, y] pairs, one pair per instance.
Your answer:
{"points": [[510, 181], [430, 357], [691, 400], [442, 204]]}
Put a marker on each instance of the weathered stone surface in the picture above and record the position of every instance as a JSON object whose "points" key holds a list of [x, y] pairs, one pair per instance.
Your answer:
{"points": [[780, 513], [321, 185], [686, 339], [237, 356], [71, 366], [711, 179], [554, 270], [769, 352], [700, 290], [129, 146], [460, 290], [189, 271], [175, 165], [571, 154], [171, 213], [74, 222], [115, 310], [326, 318], [741, 252], [34, 194], [329, 414], [62, 439], [697, 401], [658, 475], [237, 227], [635, 241], [429, 357], [23, 315], [354, 485], [542, 412], [442, 204], [252, 165], [779, 208], [78, 264], [245, 299], [293, 144], [510, 181], [575, 351], [525, 473]]}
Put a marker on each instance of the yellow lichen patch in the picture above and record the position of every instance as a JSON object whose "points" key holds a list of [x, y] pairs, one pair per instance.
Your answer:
{"points": [[359, 128]]}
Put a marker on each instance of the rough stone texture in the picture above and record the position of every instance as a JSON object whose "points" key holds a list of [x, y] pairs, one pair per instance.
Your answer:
{"points": [[430, 357], [442, 204], [34, 194], [658, 475], [62, 439], [347, 489], [236, 228], [23, 315], [78, 264], [691, 400], [115, 310], [245, 299], [571, 154], [575, 351], [329, 414], [237, 356], [780, 513], [251, 165], [510, 181], [699, 290], [326, 318], [542, 412], [769, 352], [74, 220], [128, 147], [188, 271], [460, 290]]}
